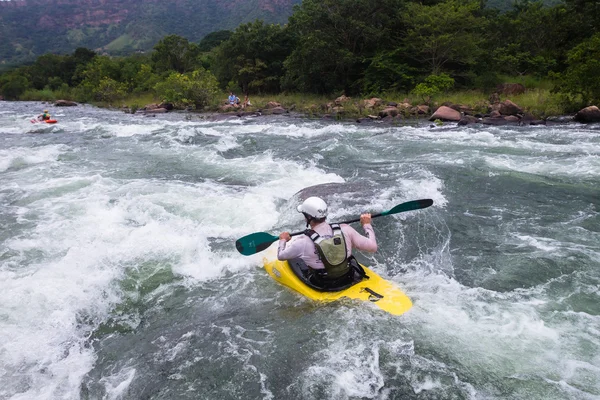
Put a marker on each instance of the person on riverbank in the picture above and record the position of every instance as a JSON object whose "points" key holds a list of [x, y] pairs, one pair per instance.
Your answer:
{"points": [[232, 99], [246, 102], [44, 116], [327, 249]]}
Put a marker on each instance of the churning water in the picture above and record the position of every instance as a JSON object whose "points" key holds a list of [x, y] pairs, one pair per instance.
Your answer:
{"points": [[119, 277]]}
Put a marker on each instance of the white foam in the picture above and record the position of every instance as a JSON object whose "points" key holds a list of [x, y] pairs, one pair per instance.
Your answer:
{"points": [[19, 157], [116, 385]]}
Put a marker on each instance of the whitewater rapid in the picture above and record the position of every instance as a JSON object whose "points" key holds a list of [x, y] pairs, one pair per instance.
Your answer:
{"points": [[120, 279]]}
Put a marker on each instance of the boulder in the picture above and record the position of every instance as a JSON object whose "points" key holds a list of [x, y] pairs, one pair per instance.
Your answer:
{"points": [[507, 107], [422, 109], [388, 112], [65, 103], [157, 111], [364, 120], [372, 102], [588, 114], [392, 104], [468, 119], [272, 104], [341, 100], [227, 108], [494, 121], [278, 110], [512, 118], [445, 113]]}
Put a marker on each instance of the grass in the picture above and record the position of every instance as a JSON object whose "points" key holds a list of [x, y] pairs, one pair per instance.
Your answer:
{"points": [[537, 100]]}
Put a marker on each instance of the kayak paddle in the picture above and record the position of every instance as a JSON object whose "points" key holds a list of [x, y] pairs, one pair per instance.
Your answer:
{"points": [[259, 241]]}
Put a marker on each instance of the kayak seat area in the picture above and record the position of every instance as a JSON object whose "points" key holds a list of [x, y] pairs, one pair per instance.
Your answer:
{"points": [[311, 278]]}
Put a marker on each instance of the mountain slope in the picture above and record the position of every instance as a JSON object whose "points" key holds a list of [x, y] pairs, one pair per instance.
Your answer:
{"points": [[35, 27]]}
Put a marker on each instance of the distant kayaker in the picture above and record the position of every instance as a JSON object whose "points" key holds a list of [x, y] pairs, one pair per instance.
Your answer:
{"points": [[44, 117], [325, 248]]}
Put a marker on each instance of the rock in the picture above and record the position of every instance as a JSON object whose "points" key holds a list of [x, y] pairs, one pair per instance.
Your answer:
{"points": [[389, 112], [278, 110], [495, 114], [496, 121], [340, 100], [512, 118], [65, 103], [167, 106], [588, 115], [510, 88], [157, 111], [373, 117], [272, 104], [372, 102], [227, 108], [364, 120], [445, 113], [392, 104], [468, 119], [507, 107], [422, 109]]}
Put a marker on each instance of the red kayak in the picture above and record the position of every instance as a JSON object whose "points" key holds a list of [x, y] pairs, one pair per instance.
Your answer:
{"points": [[48, 121]]}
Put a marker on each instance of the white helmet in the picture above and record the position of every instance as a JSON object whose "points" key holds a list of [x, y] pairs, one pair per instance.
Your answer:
{"points": [[314, 207]]}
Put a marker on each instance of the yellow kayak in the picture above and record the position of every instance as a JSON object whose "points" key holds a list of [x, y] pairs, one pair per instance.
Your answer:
{"points": [[375, 289]]}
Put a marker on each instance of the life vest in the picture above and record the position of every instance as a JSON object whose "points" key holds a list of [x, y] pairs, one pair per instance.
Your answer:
{"points": [[331, 251]]}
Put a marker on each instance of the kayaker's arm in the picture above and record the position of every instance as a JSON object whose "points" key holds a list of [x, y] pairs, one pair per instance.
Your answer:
{"points": [[360, 242], [288, 251]]}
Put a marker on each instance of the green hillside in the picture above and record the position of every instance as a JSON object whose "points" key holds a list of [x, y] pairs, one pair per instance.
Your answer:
{"points": [[35, 27]]}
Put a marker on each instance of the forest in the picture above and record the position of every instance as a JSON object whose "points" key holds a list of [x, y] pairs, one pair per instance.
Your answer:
{"points": [[353, 47]]}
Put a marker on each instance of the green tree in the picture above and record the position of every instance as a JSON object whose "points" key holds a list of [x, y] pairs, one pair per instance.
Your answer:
{"points": [[388, 71], [175, 53], [253, 57], [337, 40], [580, 83], [213, 39], [12, 85], [447, 33]]}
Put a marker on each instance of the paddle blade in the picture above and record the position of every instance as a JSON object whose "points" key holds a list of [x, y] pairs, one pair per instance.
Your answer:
{"points": [[254, 243], [408, 206]]}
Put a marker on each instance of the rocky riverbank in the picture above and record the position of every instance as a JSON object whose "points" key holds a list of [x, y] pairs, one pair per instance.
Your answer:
{"points": [[343, 108]]}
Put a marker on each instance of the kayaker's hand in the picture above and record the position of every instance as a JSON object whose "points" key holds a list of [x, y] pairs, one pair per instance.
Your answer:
{"points": [[285, 236], [365, 219]]}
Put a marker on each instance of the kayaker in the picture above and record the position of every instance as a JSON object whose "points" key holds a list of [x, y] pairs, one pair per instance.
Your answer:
{"points": [[44, 117], [326, 249]]}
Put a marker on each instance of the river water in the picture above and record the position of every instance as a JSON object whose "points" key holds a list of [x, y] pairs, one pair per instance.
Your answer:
{"points": [[120, 279]]}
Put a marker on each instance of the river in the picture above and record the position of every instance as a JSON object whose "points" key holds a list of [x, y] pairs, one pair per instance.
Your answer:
{"points": [[120, 279]]}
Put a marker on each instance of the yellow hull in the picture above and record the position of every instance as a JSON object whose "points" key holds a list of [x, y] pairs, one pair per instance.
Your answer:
{"points": [[376, 290]]}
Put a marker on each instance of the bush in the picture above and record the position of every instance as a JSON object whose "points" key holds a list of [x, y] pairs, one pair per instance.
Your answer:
{"points": [[433, 85], [109, 90], [197, 89]]}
